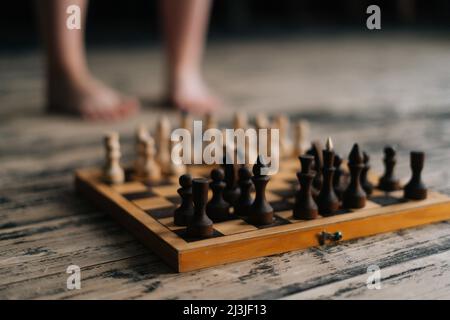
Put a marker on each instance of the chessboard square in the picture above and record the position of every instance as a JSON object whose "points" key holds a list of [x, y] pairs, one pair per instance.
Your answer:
{"points": [[138, 195], [233, 227], [165, 191], [130, 187], [277, 221], [281, 205], [287, 215], [386, 199], [161, 213], [168, 222], [183, 234], [153, 203]]}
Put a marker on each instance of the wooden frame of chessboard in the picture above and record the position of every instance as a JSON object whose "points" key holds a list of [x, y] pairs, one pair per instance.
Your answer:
{"points": [[239, 240]]}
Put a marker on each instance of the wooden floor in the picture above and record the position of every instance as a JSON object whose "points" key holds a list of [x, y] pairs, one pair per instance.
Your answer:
{"points": [[374, 91]]}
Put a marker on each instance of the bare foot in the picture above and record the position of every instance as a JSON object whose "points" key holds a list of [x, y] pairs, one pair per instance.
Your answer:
{"points": [[89, 99], [191, 94]]}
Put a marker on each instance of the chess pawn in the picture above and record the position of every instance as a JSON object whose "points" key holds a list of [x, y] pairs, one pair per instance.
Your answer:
{"points": [[151, 172], [177, 167], [217, 209], [415, 189], [354, 196], [365, 183], [261, 121], [245, 199], [112, 171], [261, 212], [388, 182], [305, 207], [231, 192], [327, 201], [140, 136], [301, 133], [163, 145], [200, 226], [240, 120], [185, 211], [281, 122]]}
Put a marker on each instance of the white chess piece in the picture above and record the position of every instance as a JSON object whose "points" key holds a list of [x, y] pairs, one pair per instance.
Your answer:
{"points": [[113, 173]]}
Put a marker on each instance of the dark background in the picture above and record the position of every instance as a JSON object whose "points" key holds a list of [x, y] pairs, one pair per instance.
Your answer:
{"points": [[137, 20]]}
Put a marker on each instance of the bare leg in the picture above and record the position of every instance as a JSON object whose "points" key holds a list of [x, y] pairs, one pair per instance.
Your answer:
{"points": [[185, 25], [70, 86]]}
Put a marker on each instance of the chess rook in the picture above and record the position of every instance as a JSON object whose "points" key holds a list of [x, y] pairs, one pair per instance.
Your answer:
{"points": [[415, 189], [185, 211], [365, 183], [245, 200], [327, 201], [354, 196], [200, 226], [217, 208], [388, 182], [305, 207], [113, 173], [261, 212]]}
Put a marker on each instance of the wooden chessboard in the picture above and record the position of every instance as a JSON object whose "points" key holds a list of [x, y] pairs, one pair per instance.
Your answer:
{"points": [[146, 211]]}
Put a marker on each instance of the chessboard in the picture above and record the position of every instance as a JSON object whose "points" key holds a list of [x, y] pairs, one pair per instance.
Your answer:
{"points": [[147, 212]]}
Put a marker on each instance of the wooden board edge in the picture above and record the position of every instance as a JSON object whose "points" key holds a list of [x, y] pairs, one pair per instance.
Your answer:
{"points": [[250, 248], [151, 240]]}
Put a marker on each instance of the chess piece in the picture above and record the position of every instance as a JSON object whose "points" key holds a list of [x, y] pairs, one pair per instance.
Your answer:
{"points": [[354, 196], [200, 226], [415, 189], [281, 122], [211, 122], [305, 207], [186, 121], [338, 184], [112, 171], [185, 211], [150, 171], [245, 200], [261, 212], [240, 120], [301, 133], [327, 201], [316, 152], [388, 182], [217, 208], [261, 121], [176, 165], [365, 183], [163, 145], [231, 192]]}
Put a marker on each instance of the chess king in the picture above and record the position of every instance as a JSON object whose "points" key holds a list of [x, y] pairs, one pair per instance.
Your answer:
{"points": [[209, 145]]}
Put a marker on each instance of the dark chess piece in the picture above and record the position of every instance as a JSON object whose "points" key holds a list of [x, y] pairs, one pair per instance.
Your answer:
{"points": [[185, 211], [327, 201], [316, 152], [354, 196], [217, 208], [305, 208], [338, 184], [200, 226], [365, 183], [415, 189], [388, 182], [245, 200], [261, 212], [231, 192]]}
